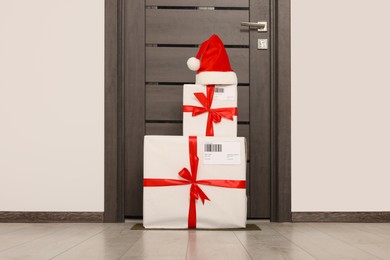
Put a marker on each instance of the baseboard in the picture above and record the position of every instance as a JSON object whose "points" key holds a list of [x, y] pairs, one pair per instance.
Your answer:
{"points": [[356, 217], [50, 217]]}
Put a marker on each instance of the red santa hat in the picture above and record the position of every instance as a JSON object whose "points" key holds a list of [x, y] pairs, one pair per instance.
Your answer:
{"points": [[212, 64]]}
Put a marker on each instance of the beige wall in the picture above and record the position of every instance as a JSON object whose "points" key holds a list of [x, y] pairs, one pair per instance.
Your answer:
{"points": [[51, 105], [340, 105]]}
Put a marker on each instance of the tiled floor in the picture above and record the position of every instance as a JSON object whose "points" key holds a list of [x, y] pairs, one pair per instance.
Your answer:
{"points": [[275, 241]]}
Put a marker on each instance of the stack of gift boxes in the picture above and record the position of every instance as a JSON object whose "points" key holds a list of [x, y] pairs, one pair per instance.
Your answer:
{"points": [[198, 180]]}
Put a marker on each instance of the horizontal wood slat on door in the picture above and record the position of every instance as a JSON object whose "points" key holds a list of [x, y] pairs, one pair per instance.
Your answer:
{"points": [[166, 102], [164, 129], [164, 26], [169, 64], [216, 3], [177, 129]]}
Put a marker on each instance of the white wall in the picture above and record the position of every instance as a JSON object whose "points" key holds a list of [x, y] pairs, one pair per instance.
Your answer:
{"points": [[340, 105], [51, 105]]}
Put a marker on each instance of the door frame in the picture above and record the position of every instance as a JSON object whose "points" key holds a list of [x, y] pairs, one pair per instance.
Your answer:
{"points": [[280, 112]]}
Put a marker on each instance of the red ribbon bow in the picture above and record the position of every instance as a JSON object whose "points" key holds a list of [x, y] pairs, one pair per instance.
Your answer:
{"points": [[191, 178], [215, 114]]}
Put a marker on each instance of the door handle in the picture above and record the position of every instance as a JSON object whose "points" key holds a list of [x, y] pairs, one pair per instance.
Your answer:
{"points": [[260, 26]]}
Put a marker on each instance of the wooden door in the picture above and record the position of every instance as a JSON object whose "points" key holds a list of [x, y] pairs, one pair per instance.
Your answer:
{"points": [[159, 37]]}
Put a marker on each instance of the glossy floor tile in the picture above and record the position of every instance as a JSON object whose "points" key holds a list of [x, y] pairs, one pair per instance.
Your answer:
{"points": [[117, 241], [159, 243], [215, 245], [111, 243], [269, 244], [319, 244], [370, 242]]}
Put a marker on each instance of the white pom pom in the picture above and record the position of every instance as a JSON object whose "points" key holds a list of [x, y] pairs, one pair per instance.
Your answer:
{"points": [[193, 64]]}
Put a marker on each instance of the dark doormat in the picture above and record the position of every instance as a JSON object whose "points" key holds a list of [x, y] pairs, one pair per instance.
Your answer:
{"points": [[249, 227]]}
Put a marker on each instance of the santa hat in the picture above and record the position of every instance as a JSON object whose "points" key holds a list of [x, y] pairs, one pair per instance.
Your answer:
{"points": [[212, 64]]}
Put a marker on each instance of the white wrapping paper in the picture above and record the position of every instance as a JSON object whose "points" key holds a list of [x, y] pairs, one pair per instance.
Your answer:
{"points": [[196, 125], [167, 207]]}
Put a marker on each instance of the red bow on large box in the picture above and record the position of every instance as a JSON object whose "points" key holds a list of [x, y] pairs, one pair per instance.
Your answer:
{"points": [[215, 114], [190, 178]]}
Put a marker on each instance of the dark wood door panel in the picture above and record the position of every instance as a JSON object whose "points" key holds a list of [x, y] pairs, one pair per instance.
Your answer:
{"points": [[166, 36], [216, 3], [260, 117], [168, 64], [171, 26], [131, 63], [134, 104], [248, 188], [165, 103]]}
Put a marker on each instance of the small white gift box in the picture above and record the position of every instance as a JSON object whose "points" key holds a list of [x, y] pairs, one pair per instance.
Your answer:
{"points": [[210, 110]]}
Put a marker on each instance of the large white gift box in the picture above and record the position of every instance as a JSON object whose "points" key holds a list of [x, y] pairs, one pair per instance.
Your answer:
{"points": [[194, 182], [210, 110]]}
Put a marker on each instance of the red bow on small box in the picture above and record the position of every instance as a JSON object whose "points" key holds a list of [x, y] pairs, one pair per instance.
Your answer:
{"points": [[191, 178], [215, 114]]}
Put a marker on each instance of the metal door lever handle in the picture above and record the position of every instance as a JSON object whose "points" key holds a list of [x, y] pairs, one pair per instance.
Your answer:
{"points": [[260, 26]]}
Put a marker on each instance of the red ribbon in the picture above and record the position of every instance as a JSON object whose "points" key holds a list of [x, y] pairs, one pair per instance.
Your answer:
{"points": [[191, 178], [215, 114]]}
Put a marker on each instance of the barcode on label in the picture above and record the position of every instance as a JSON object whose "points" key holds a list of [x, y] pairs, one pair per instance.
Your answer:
{"points": [[213, 148], [219, 90]]}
